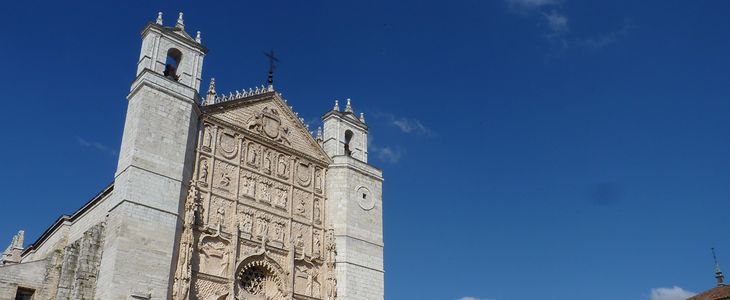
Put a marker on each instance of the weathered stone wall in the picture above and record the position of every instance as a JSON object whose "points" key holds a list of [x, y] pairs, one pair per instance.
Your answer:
{"points": [[80, 266]]}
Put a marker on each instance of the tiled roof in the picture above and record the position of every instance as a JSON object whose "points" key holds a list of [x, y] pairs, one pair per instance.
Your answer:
{"points": [[718, 293]]}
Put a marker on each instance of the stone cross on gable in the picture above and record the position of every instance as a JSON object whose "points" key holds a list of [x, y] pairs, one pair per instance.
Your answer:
{"points": [[272, 65]]}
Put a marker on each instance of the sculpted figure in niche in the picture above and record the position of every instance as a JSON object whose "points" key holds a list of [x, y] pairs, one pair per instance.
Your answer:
{"points": [[247, 223], [299, 243], [225, 179], [207, 138], [331, 286], [281, 197], [214, 258], [281, 169], [203, 170], [249, 186], [316, 212], [263, 226], [301, 205], [318, 180], [252, 154], [317, 244], [267, 162], [264, 193]]}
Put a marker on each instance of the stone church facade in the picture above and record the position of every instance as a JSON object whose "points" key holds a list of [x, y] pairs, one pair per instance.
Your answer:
{"points": [[215, 197]]}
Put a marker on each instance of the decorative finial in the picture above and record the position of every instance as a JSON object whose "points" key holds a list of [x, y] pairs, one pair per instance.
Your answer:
{"points": [[180, 23], [210, 97], [718, 273], [362, 117], [319, 134], [348, 108], [197, 37], [159, 18], [337, 105]]}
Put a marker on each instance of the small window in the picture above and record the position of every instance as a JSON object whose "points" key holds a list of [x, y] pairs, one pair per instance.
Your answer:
{"points": [[174, 57], [348, 138], [24, 294]]}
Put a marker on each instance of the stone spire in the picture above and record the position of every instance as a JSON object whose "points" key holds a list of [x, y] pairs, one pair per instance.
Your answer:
{"points": [[718, 273], [159, 18], [210, 97], [348, 108], [15, 249], [180, 23], [362, 117], [337, 105], [197, 37]]}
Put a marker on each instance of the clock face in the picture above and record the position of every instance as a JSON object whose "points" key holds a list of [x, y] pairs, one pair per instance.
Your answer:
{"points": [[364, 198]]}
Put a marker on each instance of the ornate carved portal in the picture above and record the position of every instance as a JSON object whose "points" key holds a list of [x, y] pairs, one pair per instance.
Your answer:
{"points": [[254, 223]]}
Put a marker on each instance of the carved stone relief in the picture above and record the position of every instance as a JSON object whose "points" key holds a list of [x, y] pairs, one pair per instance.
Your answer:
{"points": [[219, 213], [207, 137], [225, 177], [301, 236], [262, 225], [317, 243], [203, 171], [227, 144], [301, 203], [282, 167], [317, 211], [318, 186], [281, 196], [245, 219], [248, 184], [207, 289], [268, 161], [269, 124], [253, 156], [214, 256], [304, 173], [263, 193], [307, 281]]}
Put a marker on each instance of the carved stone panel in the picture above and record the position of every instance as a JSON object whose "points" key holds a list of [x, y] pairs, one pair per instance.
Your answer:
{"points": [[214, 256], [304, 173], [248, 184], [220, 212], [317, 211], [281, 196], [245, 219], [224, 178], [203, 171], [228, 144], [253, 155], [318, 180], [302, 237], [207, 140], [302, 201], [264, 190], [283, 166]]}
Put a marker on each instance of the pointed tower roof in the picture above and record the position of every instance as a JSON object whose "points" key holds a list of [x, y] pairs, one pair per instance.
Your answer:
{"points": [[721, 291]]}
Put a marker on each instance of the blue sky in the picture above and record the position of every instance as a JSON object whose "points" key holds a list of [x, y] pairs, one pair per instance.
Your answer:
{"points": [[532, 149]]}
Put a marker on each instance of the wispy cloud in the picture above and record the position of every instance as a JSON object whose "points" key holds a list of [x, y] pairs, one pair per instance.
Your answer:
{"points": [[407, 125], [557, 25], [673, 293], [531, 4], [387, 154], [95, 145], [473, 298]]}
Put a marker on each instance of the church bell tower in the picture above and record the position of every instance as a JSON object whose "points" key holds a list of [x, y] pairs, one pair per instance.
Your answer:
{"points": [[154, 167], [354, 190]]}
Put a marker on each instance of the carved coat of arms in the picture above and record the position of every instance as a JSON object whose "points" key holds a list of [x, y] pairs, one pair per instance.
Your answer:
{"points": [[268, 122]]}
